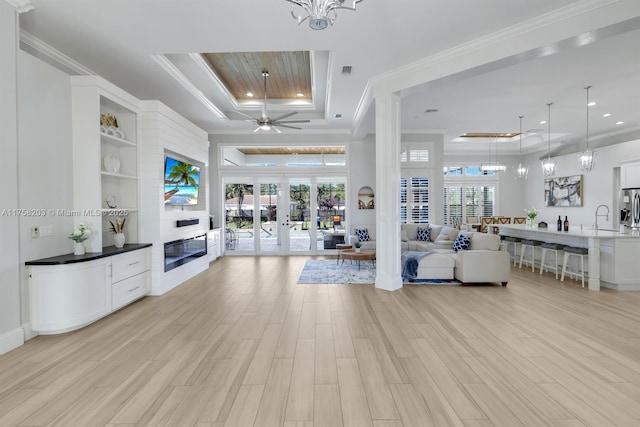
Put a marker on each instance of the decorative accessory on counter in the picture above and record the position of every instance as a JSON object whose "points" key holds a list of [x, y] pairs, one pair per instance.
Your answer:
{"points": [[117, 226], [543, 224], [531, 215], [81, 233]]}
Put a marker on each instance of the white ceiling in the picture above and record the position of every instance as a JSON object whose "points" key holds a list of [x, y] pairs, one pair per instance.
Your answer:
{"points": [[122, 40]]}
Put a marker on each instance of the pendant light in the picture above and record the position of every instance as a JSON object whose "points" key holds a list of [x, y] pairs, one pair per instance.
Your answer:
{"points": [[522, 170], [588, 156], [493, 166], [548, 164]]}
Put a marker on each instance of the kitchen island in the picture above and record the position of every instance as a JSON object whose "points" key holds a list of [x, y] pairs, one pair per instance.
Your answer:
{"points": [[613, 259]]}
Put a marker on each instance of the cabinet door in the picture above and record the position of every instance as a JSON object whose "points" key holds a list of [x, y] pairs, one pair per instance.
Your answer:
{"points": [[64, 298], [631, 175]]}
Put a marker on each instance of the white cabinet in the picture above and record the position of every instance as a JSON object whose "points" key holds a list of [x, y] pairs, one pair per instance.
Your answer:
{"points": [[630, 175], [214, 248], [105, 159], [68, 293]]}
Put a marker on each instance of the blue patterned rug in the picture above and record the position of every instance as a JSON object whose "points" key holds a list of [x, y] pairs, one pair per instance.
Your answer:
{"points": [[317, 271]]}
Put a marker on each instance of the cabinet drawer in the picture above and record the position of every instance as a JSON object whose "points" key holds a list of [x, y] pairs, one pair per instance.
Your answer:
{"points": [[129, 264], [125, 291]]}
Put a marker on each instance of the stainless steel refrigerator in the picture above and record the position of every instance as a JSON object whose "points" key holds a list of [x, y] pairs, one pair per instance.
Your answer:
{"points": [[630, 207]]}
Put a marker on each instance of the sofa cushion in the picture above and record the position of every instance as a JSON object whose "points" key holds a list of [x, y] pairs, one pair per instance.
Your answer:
{"points": [[362, 234], [485, 241], [411, 230], [450, 232], [404, 235], [435, 231], [461, 243], [424, 234]]}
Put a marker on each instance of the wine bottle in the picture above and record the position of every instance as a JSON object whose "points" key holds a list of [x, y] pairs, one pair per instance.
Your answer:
{"points": [[559, 223], [566, 224]]}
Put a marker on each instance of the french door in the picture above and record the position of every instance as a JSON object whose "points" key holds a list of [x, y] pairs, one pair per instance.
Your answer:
{"points": [[282, 217]]}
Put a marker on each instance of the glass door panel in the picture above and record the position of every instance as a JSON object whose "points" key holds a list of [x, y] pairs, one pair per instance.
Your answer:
{"points": [[239, 207], [302, 232], [269, 231], [330, 214]]}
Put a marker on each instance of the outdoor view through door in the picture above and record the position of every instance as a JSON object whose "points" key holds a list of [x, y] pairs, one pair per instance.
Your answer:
{"points": [[298, 216]]}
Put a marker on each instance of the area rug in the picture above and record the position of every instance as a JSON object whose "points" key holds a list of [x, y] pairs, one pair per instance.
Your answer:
{"points": [[318, 271]]}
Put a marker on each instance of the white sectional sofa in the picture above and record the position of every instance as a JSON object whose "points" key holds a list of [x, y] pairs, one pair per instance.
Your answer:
{"points": [[485, 261]]}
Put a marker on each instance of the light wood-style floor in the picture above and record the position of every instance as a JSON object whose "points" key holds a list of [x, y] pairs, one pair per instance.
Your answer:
{"points": [[243, 345]]}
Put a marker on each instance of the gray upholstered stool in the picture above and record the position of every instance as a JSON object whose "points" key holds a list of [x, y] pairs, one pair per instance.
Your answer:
{"points": [[550, 247], [532, 244], [509, 240], [578, 252]]}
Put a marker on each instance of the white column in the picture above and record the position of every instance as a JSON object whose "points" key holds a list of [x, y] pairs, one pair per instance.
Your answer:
{"points": [[594, 264], [387, 192]]}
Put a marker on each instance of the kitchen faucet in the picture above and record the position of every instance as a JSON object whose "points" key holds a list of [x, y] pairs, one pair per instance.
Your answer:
{"points": [[606, 216]]}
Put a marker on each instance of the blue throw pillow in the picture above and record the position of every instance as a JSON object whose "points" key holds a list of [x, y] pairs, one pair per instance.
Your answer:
{"points": [[462, 243], [363, 234], [424, 234]]}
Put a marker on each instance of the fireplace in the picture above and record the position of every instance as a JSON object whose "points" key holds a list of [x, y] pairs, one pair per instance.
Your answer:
{"points": [[182, 251]]}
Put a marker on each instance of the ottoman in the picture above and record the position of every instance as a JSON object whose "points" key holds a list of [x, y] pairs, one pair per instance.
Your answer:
{"points": [[436, 266]]}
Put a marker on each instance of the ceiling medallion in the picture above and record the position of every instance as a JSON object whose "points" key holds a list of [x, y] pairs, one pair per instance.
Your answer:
{"points": [[320, 13]]}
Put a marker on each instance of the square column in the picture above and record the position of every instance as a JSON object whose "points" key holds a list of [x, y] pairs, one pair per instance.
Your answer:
{"points": [[388, 268]]}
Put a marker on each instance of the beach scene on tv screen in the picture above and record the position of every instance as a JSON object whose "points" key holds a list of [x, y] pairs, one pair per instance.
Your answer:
{"points": [[181, 182]]}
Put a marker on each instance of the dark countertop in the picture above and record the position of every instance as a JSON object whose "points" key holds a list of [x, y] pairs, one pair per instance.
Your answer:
{"points": [[89, 256]]}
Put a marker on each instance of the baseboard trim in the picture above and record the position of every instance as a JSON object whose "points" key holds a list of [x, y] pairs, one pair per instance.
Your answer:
{"points": [[11, 340], [29, 333]]}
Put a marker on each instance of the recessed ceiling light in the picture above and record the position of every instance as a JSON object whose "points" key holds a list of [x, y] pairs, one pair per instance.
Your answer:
{"points": [[250, 94], [544, 122], [619, 123], [606, 115], [591, 104], [299, 94]]}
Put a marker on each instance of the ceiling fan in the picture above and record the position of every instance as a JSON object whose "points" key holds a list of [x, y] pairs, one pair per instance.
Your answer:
{"points": [[265, 122]]}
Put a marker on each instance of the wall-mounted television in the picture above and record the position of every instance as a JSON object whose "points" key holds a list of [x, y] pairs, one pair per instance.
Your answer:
{"points": [[181, 182]]}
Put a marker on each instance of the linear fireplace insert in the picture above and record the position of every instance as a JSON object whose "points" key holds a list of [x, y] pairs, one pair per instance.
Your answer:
{"points": [[182, 251]]}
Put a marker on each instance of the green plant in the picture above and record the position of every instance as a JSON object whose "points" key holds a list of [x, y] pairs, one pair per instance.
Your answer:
{"points": [[81, 233], [533, 213]]}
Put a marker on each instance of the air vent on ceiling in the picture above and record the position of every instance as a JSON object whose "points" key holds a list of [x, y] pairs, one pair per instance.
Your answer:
{"points": [[489, 135], [346, 70], [337, 116], [431, 110]]}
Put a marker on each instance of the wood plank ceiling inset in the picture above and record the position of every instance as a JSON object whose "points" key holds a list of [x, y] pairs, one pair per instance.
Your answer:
{"points": [[291, 150], [241, 72]]}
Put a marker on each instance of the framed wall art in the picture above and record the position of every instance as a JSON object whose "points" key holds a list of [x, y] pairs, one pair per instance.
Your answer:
{"points": [[366, 198], [563, 191]]}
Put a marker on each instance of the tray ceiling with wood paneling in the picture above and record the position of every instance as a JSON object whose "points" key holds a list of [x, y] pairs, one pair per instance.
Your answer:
{"points": [[241, 73]]}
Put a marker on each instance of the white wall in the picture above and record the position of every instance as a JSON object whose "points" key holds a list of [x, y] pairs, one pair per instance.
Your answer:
{"points": [[362, 172], [11, 334], [598, 185], [45, 162]]}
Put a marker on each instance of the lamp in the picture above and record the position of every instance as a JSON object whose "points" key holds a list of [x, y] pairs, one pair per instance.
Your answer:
{"points": [[493, 166], [548, 164], [320, 13], [587, 157], [522, 170]]}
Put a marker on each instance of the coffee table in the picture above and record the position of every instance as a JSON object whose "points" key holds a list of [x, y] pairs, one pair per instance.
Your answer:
{"points": [[341, 247], [362, 255]]}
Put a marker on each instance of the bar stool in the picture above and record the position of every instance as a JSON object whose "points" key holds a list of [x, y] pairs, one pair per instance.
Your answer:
{"points": [[550, 247], [510, 240], [524, 244], [578, 252]]}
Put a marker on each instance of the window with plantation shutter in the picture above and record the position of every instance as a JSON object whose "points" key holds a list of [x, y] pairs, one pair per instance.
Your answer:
{"points": [[414, 200], [464, 200]]}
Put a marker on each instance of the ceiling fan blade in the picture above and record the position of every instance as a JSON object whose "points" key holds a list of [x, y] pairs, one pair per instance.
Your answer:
{"points": [[257, 129], [285, 116], [286, 126], [291, 121], [276, 129]]}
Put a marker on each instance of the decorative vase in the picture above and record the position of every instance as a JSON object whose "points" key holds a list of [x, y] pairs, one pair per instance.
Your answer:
{"points": [[531, 222], [78, 248], [357, 250], [118, 238]]}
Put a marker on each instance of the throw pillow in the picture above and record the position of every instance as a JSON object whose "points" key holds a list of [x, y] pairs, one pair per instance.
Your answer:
{"points": [[462, 243], [424, 234], [362, 234]]}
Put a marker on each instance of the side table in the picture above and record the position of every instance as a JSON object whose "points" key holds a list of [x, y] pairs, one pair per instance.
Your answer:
{"points": [[341, 247]]}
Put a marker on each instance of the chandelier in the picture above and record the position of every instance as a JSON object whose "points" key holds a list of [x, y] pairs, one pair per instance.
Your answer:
{"points": [[548, 164], [493, 166], [587, 157], [320, 13], [522, 170]]}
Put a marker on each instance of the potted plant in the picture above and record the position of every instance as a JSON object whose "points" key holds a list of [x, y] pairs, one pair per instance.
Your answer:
{"points": [[357, 245], [79, 235], [531, 215], [117, 227]]}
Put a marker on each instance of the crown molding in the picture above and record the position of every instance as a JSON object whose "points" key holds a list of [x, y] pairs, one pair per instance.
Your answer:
{"points": [[174, 72], [21, 6], [54, 54]]}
